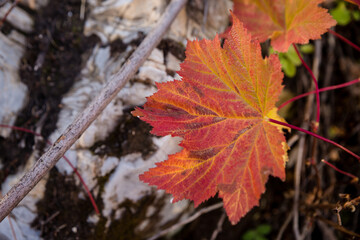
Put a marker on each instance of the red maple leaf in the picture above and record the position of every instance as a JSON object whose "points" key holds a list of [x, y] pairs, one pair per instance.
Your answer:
{"points": [[220, 108], [284, 21]]}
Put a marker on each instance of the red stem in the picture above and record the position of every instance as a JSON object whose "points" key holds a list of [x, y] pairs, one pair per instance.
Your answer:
{"points": [[340, 171], [315, 135], [320, 90], [345, 40], [316, 85], [8, 12], [12, 228], [66, 159]]}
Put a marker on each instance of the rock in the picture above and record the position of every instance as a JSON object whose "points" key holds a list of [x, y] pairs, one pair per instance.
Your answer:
{"points": [[111, 20], [17, 17], [172, 63], [35, 4], [13, 91]]}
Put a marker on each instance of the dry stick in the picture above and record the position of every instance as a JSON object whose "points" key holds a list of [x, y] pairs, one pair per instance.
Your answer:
{"points": [[297, 180], [83, 121], [284, 226], [316, 67], [186, 221], [11, 225], [298, 168], [300, 157], [218, 226], [338, 227]]}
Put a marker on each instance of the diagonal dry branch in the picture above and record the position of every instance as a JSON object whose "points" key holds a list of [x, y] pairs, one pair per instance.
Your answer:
{"points": [[83, 121]]}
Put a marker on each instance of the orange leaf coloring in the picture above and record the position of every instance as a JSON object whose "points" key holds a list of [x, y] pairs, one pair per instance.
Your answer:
{"points": [[283, 21], [220, 109]]}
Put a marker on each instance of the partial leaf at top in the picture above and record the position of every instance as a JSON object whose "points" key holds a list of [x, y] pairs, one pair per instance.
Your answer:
{"points": [[283, 21], [357, 2], [220, 108]]}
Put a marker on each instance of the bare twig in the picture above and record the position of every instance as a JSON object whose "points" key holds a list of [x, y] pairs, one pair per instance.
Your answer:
{"points": [[83, 121], [10, 224], [338, 227], [284, 226], [186, 221], [328, 233], [218, 226], [314, 147], [300, 158], [82, 9], [298, 166]]}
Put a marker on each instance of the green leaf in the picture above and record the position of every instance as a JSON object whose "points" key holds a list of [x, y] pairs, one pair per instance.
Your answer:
{"points": [[250, 235], [288, 67], [263, 229], [293, 57], [341, 14], [307, 48], [356, 15]]}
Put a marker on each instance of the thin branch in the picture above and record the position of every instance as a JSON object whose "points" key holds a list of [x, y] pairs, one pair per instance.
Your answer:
{"points": [[316, 86], [186, 221], [83, 121], [314, 145], [297, 181], [284, 226], [218, 226], [338, 227], [10, 223]]}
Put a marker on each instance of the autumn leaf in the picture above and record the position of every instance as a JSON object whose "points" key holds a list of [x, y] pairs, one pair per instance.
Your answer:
{"points": [[357, 2], [220, 108], [284, 21]]}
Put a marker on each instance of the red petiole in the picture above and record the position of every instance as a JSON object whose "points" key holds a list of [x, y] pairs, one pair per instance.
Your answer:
{"points": [[315, 82], [345, 40], [340, 171], [66, 159], [314, 135], [320, 90]]}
